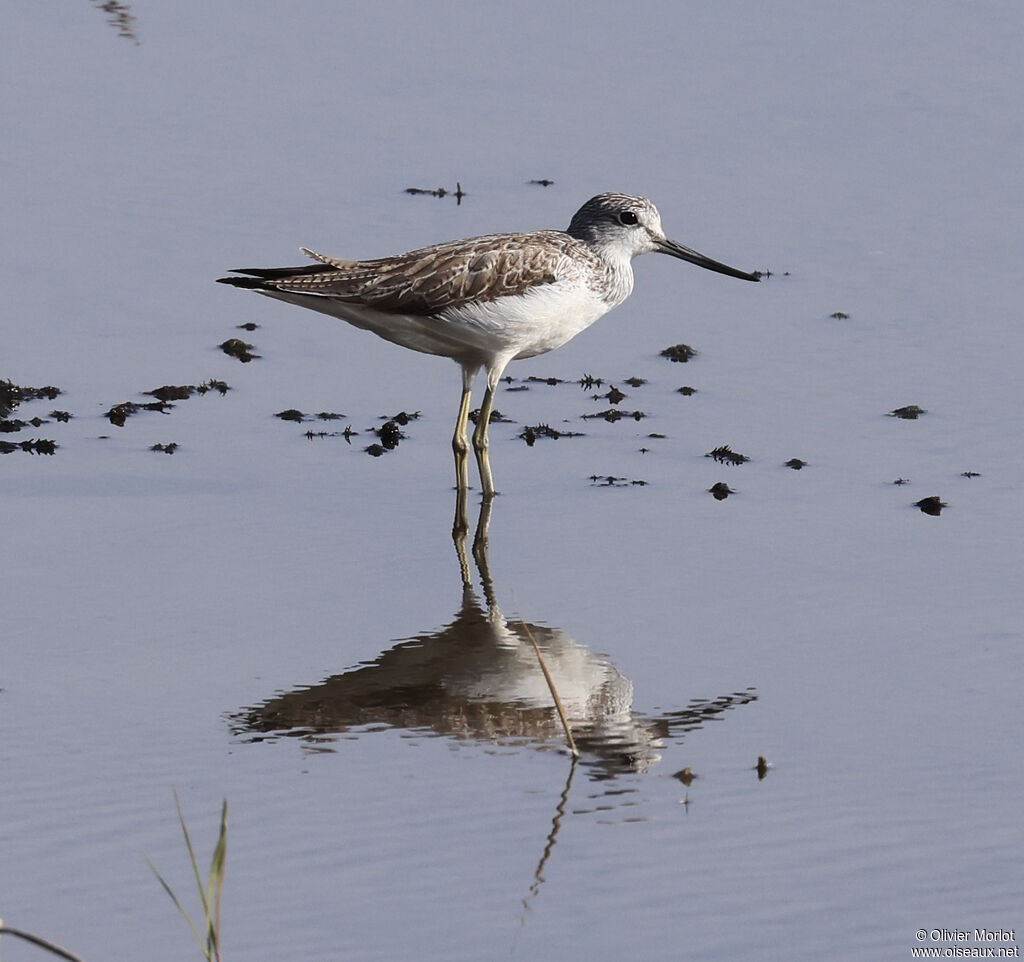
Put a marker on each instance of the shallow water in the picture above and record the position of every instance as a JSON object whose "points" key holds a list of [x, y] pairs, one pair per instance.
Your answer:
{"points": [[286, 622]]}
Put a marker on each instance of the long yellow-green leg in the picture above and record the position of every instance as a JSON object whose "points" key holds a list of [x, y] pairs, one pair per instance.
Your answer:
{"points": [[460, 442], [481, 442]]}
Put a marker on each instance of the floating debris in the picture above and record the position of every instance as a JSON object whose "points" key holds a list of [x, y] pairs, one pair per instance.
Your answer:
{"points": [[588, 382], [900, 481], [402, 417], [839, 316], [11, 395], [969, 474], [426, 191], [294, 414], [249, 326], [120, 17], [614, 396], [635, 381], [168, 448], [236, 347], [62, 416], [720, 490], [181, 392], [796, 464], [542, 182], [680, 353], [170, 392], [909, 413], [375, 450], [762, 767], [35, 446], [613, 414], [932, 505], [530, 434], [496, 417], [657, 437], [610, 481], [120, 413], [389, 435], [347, 434], [458, 193], [725, 455], [533, 379], [686, 390]]}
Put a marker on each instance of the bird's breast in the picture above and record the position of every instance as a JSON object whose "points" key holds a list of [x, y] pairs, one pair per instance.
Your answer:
{"points": [[538, 321]]}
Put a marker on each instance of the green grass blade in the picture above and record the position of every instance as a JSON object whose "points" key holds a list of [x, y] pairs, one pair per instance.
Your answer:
{"points": [[39, 941], [192, 857], [211, 894], [178, 905], [216, 881]]}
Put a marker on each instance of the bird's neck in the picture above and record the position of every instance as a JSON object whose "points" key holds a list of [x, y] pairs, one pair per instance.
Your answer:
{"points": [[618, 283]]}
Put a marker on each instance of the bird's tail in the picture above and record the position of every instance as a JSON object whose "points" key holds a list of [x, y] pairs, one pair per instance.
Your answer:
{"points": [[261, 278]]}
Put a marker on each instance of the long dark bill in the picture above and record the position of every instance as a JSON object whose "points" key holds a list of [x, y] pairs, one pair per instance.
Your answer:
{"points": [[694, 257]]}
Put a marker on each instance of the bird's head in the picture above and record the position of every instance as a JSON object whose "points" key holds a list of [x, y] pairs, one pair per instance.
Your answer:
{"points": [[623, 225]]}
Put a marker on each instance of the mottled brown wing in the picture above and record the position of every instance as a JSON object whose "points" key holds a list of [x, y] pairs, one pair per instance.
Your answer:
{"points": [[430, 280]]}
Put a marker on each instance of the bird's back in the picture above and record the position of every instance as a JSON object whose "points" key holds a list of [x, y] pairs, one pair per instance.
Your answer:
{"points": [[434, 279]]}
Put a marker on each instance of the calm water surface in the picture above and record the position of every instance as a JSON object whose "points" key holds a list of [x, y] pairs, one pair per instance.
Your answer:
{"points": [[286, 622]]}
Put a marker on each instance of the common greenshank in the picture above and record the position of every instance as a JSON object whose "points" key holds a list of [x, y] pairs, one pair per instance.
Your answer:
{"points": [[485, 301]]}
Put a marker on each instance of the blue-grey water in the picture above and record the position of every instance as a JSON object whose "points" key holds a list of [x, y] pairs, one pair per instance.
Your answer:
{"points": [[286, 622]]}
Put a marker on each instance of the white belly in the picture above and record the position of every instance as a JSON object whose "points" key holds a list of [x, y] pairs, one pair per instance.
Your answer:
{"points": [[533, 323], [508, 327]]}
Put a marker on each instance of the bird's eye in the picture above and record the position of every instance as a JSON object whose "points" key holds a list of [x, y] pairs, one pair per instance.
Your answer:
{"points": [[629, 218]]}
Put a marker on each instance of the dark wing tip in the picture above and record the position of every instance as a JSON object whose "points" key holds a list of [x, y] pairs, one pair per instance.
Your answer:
{"points": [[251, 283], [261, 278]]}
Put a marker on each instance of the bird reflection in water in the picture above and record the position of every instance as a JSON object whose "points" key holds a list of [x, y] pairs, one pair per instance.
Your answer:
{"points": [[478, 679]]}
